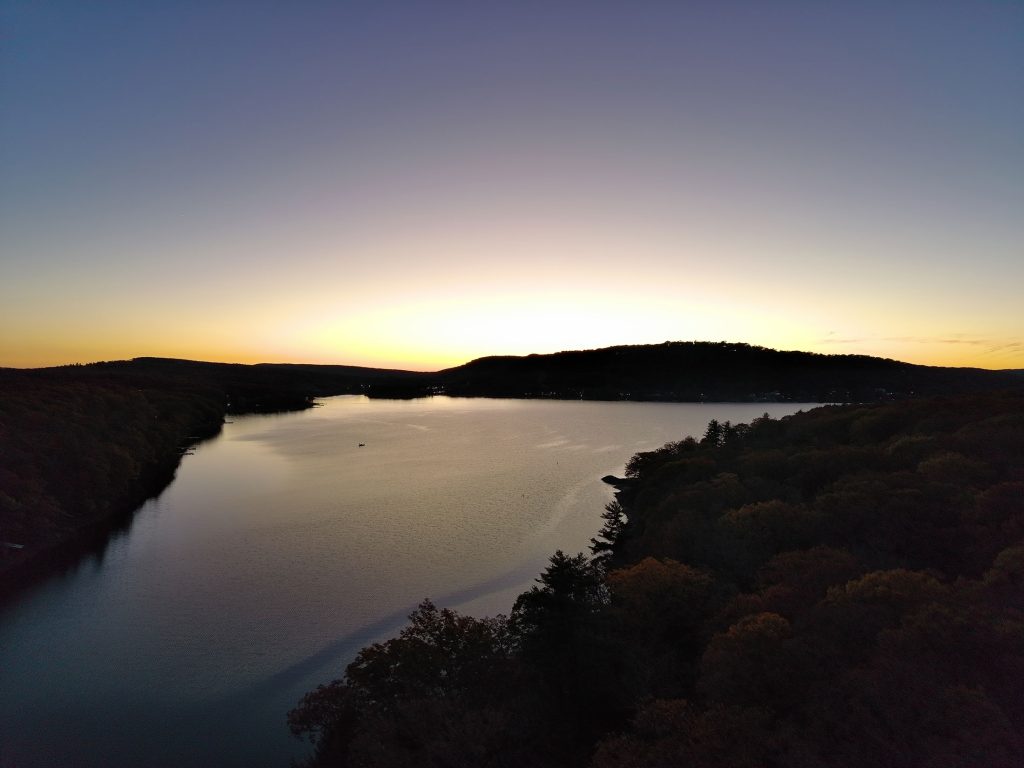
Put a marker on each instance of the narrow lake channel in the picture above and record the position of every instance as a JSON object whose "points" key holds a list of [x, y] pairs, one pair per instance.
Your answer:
{"points": [[289, 542]]}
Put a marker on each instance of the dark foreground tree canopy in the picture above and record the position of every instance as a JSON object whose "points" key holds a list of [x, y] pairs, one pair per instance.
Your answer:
{"points": [[844, 587]]}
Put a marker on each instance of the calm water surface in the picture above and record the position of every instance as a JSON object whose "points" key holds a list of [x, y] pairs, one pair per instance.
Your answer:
{"points": [[282, 547]]}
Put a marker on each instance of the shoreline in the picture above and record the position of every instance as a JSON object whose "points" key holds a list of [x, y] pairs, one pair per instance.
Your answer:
{"points": [[24, 568], [82, 455]]}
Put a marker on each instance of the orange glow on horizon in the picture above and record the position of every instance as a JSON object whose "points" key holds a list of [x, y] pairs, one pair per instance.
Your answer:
{"points": [[948, 353]]}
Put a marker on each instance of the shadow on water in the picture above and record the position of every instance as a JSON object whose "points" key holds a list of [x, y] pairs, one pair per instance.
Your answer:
{"points": [[348, 645], [220, 731], [230, 721]]}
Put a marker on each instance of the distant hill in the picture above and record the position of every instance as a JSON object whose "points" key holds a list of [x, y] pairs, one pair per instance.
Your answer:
{"points": [[699, 371]]}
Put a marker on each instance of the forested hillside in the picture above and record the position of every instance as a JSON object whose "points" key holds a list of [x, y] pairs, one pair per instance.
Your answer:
{"points": [[77, 450], [844, 587]]}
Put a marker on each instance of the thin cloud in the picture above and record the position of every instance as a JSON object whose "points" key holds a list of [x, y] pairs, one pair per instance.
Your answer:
{"points": [[971, 342], [827, 340], [993, 345], [1013, 346]]}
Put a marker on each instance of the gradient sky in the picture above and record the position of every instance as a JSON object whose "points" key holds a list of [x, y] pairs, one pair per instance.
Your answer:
{"points": [[417, 184]]}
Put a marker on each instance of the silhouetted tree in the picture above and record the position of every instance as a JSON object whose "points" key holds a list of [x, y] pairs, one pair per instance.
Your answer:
{"points": [[614, 518], [713, 435]]}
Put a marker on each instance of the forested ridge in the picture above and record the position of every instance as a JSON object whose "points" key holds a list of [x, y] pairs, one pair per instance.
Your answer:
{"points": [[696, 371], [843, 587], [683, 371], [78, 452]]}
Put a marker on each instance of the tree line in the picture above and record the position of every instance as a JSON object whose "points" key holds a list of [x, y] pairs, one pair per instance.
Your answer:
{"points": [[80, 451]]}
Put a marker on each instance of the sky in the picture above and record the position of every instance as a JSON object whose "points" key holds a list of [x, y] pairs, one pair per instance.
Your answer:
{"points": [[417, 184]]}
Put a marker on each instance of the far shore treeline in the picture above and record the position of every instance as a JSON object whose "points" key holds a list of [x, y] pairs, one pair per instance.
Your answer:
{"points": [[841, 587], [674, 371]]}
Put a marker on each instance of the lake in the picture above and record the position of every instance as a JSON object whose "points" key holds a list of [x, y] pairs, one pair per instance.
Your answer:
{"points": [[283, 546]]}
